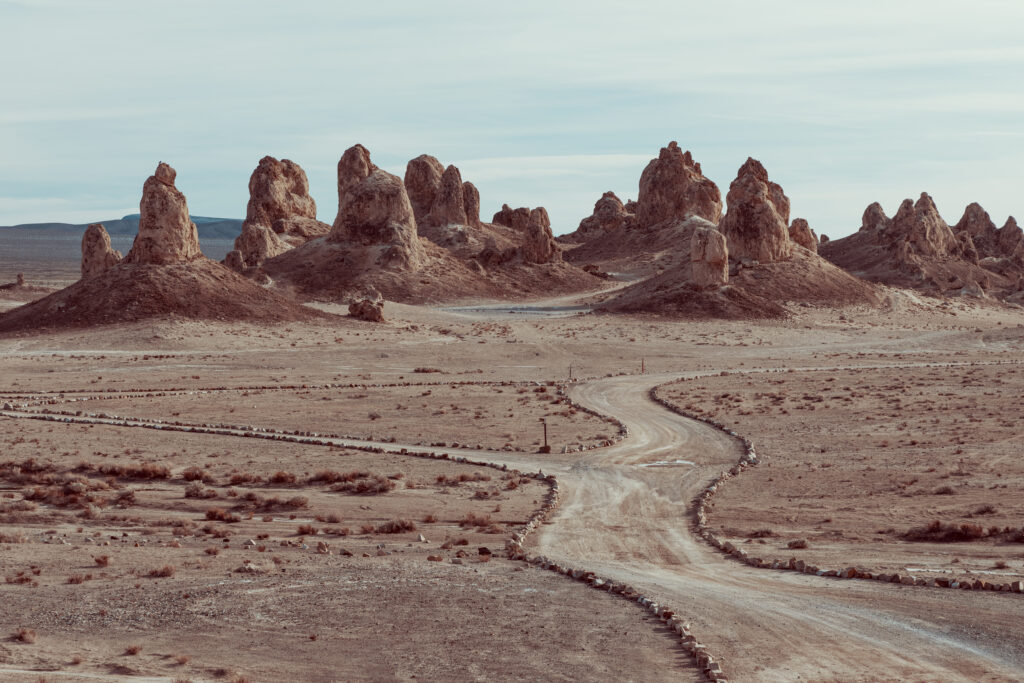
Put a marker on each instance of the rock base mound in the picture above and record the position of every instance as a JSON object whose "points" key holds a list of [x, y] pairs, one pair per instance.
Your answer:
{"points": [[126, 293]]}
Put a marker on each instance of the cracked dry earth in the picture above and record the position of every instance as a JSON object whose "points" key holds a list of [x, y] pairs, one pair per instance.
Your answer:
{"points": [[626, 512]]}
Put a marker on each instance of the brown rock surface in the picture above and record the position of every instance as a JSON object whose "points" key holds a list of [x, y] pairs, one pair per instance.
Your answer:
{"points": [[709, 257], [921, 226], [539, 245], [97, 254], [874, 219], [471, 202], [518, 219], [353, 167], [1010, 238], [166, 233], [257, 243], [756, 222], [449, 206], [673, 187], [979, 226], [609, 215], [422, 181], [367, 309], [800, 233]]}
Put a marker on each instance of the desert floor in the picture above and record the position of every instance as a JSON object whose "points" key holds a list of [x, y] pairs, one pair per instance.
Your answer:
{"points": [[135, 553]]}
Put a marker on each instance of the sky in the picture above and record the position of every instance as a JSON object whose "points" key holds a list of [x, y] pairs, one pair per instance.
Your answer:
{"points": [[539, 103]]}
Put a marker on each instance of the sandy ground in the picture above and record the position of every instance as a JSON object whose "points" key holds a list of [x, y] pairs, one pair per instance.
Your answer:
{"points": [[626, 509]]}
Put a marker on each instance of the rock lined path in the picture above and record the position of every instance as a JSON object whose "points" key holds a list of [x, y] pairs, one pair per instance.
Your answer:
{"points": [[632, 523]]}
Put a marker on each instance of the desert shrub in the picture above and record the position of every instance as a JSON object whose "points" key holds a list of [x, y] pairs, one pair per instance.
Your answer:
{"points": [[25, 635], [429, 519], [212, 550], [307, 530], [396, 526], [797, 544], [163, 572], [125, 498], [79, 578], [427, 370], [243, 478], [102, 560], [194, 474], [146, 470], [197, 490], [366, 529], [945, 532], [221, 515], [369, 486], [282, 478], [945, 491], [472, 519], [133, 650], [761, 533]]}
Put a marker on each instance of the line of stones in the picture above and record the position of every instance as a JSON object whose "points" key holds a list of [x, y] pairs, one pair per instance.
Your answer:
{"points": [[513, 546], [749, 459], [130, 393]]}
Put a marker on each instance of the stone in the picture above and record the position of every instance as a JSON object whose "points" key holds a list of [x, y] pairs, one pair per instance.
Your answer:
{"points": [[977, 226], [97, 254], [1010, 239], [922, 229], [422, 181], [367, 309], [278, 190], [800, 233], [673, 187], [256, 244], [449, 204], [166, 233], [756, 223], [709, 258]]}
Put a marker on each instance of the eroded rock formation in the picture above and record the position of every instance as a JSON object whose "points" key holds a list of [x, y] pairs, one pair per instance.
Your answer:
{"points": [[922, 228], [673, 187], [367, 309], [609, 215], [539, 245], [756, 224], [471, 202], [800, 233], [374, 209], [449, 207], [166, 233], [422, 181], [709, 258], [97, 254]]}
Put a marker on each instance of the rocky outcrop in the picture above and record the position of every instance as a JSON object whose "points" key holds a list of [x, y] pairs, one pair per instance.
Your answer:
{"points": [[609, 215], [539, 245], [979, 226], [471, 204], [709, 258], [1010, 239], [518, 219], [367, 309], [97, 254], [921, 227], [673, 187], [374, 209], [422, 181], [800, 233], [755, 225], [280, 215], [166, 233], [874, 219], [449, 206]]}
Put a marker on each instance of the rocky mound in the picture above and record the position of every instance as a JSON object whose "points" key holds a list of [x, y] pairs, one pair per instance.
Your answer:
{"points": [[375, 244], [164, 275], [917, 248], [672, 187], [280, 215], [97, 254], [647, 236]]}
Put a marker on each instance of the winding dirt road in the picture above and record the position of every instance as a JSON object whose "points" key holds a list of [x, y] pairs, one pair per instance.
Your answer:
{"points": [[625, 514]]}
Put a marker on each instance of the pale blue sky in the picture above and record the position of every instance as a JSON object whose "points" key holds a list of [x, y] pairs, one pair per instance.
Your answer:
{"points": [[538, 102]]}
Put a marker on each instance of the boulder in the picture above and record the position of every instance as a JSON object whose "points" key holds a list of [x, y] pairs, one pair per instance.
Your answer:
{"points": [[755, 224], [97, 254], [256, 244], [673, 187], [709, 258], [609, 215], [166, 233], [449, 206], [874, 219], [800, 233], [422, 181], [367, 309]]}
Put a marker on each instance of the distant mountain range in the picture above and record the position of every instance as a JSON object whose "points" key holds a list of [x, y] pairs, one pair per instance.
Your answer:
{"points": [[209, 228]]}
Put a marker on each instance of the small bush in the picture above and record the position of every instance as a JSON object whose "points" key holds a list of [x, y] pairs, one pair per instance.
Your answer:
{"points": [[79, 578], [797, 544], [101, 560], [221, 515], [193, 474], [940, 532], [197, 490], [25, 635], [307, 530], [133, 650], [396, 526], [945, 491], [164, 572], [282, 478], [372, 486]]}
